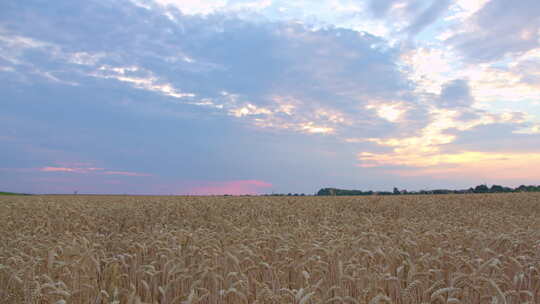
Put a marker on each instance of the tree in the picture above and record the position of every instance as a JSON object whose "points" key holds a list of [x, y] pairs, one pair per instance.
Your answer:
{"points": [[500, 189], [481, 189]]}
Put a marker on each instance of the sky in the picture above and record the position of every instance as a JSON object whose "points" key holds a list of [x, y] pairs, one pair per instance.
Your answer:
{"points": [[267, 96]]}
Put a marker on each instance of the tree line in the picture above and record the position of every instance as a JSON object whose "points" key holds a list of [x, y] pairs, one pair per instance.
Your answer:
{"points": [[11, 193], [396, 191]]}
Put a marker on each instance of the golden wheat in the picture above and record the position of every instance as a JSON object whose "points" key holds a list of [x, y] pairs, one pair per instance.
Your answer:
{"points": [[301, 250]]}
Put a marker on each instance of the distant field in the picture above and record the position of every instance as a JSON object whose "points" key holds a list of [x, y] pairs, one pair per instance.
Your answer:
{"points": [[394, 249]]}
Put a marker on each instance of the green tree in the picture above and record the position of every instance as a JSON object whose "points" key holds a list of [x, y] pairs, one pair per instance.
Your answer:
{"points": [[481, 189]]}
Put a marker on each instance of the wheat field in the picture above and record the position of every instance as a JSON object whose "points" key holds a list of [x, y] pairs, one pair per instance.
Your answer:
{"points": [[392, 249]]}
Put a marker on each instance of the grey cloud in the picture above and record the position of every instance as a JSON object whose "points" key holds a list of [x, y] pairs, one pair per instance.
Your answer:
{"points": [[380, 7], [501, 27], [496, 137], [330, 68], [529, 70], [107, 47], [456, 93], [469, 114], [419, 14], [225, 61], [428, 16]]}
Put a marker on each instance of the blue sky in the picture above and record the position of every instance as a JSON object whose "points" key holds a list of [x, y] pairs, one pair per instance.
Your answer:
{"points": [[244, 96]]}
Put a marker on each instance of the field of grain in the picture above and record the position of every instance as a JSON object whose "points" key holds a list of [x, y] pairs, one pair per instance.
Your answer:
{"points": [[395, 249]]}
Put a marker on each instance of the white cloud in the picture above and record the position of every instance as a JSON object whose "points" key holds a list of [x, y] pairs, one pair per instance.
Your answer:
{"points": [[284, 113], [249, 110], [6, 69], [534, 129], [84, 58], [429, 68], [392, 112], [149, 81], [13, 47], [426, 148], [192, 7], [464, 9]]}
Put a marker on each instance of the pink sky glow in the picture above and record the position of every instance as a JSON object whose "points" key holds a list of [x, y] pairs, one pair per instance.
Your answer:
{"points": [[74, 170], [231, 187]]}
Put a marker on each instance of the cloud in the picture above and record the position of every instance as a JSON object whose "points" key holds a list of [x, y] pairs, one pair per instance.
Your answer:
{"points": [[195, 6], [315, 87], [147, 81], [205, 7], [456, 93], [434, 68], [428, 16], [90, 170], [498, 29], [498, 137], [428, 68], [282, 75], [463, 9], [381, 7], [74, 170], [438, 144], [409, 17]]}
